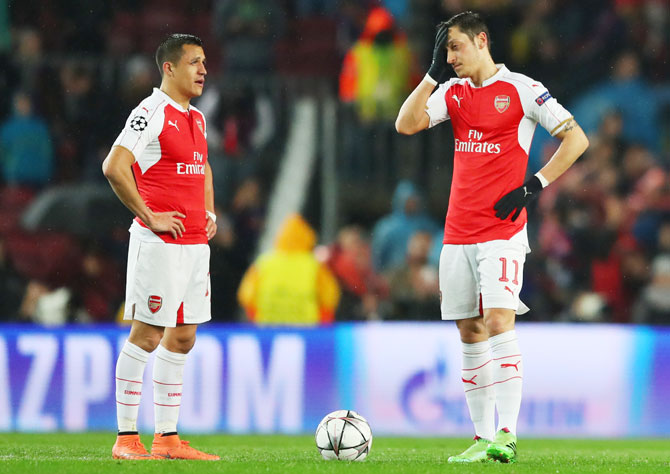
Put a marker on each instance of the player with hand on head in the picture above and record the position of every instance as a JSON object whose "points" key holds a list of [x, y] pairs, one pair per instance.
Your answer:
{"points": [[493, 113], [158, 168]]}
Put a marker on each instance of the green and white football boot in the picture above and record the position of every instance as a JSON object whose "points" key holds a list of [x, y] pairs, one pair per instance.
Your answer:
{"points": [[503, 447], [475, 453]]}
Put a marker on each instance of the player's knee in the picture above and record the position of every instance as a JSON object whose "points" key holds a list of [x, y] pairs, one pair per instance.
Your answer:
{"points": [[147, 341], [180, 343], [145, 336], [498, 321], [472, 330], [186, 345]]}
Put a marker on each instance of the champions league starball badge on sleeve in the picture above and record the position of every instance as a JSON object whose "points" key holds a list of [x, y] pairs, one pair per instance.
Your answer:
{"points": [[138, 123]]}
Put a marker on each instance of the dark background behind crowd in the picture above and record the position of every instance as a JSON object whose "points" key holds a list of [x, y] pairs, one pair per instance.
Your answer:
{"points": [[71, 74]]}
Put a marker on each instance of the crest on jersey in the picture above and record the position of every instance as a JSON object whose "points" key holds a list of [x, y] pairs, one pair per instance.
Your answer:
{"points": [[199, 123], [501, 103], [155, 303], [138, 123]]}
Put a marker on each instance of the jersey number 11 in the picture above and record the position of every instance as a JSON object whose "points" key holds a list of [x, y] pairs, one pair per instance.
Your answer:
{"points": [[504, 271]]}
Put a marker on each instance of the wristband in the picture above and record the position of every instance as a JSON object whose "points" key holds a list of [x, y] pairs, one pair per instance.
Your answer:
{"points": [[428, 78], [211, 215], [542, 179]]}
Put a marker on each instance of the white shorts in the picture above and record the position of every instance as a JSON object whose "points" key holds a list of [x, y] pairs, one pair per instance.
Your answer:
{"points": [[168, 284], [475, 277]]}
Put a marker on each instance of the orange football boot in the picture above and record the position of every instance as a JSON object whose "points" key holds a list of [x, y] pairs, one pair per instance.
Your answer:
{"points": [[130, 447], [171, 447]]}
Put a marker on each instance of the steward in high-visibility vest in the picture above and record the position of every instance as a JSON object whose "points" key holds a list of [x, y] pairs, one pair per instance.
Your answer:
{"points": [[288, 285]]}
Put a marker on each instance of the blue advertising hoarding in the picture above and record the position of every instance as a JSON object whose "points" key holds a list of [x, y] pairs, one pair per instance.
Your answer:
{"points": [[579, 380]]}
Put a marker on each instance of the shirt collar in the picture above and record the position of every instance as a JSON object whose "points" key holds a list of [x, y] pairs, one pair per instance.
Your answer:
{"points": [[502, 70], [171, 101]]}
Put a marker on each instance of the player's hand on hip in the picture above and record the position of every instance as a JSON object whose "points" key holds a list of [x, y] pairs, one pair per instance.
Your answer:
{"points": [[210, 227], [517, 199], [438, 68], [168, 222]]}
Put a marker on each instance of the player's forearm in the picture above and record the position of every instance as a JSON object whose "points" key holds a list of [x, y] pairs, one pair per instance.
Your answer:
{"points": [[123, 184], [209, 189], [412, 117], [573, 144]]}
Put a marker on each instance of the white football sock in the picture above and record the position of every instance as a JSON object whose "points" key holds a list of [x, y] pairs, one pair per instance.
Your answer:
{"points": [[477, 380], [129, 371], [167, 376], [507, 375]]}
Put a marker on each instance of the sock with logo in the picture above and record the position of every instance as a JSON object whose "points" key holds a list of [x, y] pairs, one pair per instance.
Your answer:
{"points": [[507, 376], [168, 375], [477, 378], [129, 371]]}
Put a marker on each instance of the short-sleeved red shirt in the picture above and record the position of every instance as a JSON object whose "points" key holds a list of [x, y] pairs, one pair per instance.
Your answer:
{"points": [[170, 149], [493, 129]]}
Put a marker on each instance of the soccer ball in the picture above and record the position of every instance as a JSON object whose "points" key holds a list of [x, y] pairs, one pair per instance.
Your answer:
{"points": [[344, 435]]}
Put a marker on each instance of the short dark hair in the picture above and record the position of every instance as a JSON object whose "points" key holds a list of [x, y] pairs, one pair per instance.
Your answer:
{"points": [[171, 49], [470, 23]]}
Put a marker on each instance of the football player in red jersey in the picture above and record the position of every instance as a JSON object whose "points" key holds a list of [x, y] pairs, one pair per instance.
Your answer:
{"points": [[493, 113], [158, 168]]}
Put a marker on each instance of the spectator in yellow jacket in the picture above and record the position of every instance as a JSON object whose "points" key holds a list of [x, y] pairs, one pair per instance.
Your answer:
{"points": [[288, 285]]}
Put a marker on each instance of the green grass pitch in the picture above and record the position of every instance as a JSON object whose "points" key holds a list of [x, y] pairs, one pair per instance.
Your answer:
{"points": [[91, 453]]}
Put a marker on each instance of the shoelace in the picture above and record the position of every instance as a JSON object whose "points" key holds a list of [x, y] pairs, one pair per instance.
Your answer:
{"points": [[185, 444], [138, 444]]}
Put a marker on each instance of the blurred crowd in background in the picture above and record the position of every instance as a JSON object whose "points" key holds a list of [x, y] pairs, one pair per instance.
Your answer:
{"points": [[72, 74]]}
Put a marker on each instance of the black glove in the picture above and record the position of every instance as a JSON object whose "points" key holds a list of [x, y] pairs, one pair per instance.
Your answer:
{"points": [[438, 67], [518, 199]]}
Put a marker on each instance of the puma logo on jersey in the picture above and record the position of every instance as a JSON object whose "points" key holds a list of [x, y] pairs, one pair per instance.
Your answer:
{"points": [[174, 124], [457, 99], [509, 289]]}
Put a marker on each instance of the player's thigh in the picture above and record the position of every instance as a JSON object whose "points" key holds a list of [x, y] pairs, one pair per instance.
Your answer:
{"points": [[198, 292], [500, 267], [459, 288], [155, 286]]}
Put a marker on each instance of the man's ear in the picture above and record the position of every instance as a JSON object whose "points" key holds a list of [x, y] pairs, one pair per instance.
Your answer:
{"points": [[482, 40]]}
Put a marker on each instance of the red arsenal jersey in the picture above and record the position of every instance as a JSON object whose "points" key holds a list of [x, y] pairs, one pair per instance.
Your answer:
{"points": [[493, 129], [170, 149]]}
